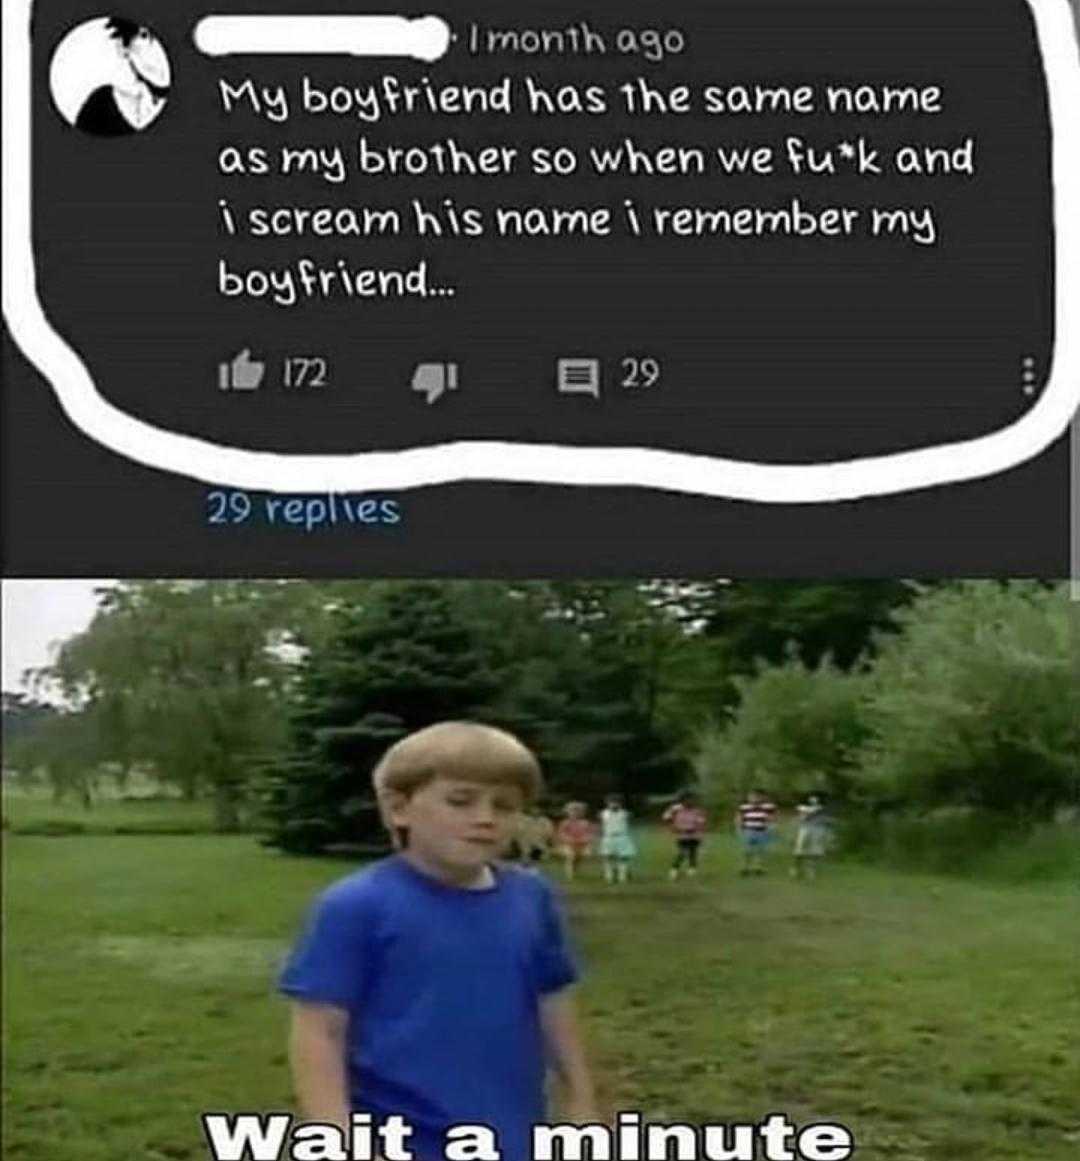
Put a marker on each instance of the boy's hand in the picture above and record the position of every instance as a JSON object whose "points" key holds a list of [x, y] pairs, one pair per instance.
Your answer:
{"points": [[317, 1053], [559, 1021]]}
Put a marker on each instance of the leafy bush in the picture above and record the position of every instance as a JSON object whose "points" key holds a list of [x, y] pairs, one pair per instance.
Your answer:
{"points": [[302, 836], [793, 732], [946, 842], [963, 842], [974, 702], [161, 828], [50, 826], [1045, 853]]}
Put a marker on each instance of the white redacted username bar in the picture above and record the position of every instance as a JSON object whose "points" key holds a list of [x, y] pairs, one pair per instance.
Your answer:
{"points": [[424, 38]]}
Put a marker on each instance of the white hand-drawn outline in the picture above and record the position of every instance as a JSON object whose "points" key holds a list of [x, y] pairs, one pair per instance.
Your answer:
{"points": [[538, 463]]}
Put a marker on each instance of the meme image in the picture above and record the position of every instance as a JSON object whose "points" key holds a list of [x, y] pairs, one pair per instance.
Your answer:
{"points": [[541, 580], [668, 870]]}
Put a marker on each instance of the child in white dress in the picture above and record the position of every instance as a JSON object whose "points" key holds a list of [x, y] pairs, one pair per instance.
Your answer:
{"points": [[811, 838], [617, 847]]}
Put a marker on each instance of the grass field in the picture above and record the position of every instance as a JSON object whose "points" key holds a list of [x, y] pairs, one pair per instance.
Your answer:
{"points": [[35, 811], [936, 1018]]}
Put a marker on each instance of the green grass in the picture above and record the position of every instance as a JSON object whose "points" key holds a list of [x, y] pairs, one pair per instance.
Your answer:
{"points": [[34, 811], [976, 845], [932, 1016]]}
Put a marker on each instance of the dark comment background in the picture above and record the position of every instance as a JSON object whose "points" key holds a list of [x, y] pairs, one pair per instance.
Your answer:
{"points": [[774, 350]]}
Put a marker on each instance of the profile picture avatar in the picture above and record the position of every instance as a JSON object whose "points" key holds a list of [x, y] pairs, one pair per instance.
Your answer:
{"points": [[110, 77]]}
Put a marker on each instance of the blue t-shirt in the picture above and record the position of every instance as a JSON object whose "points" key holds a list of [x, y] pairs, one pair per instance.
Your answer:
{"points": [[442, 985]]}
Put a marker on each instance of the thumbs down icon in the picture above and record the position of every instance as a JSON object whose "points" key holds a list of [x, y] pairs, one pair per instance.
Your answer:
{"points": [[434, 379]]}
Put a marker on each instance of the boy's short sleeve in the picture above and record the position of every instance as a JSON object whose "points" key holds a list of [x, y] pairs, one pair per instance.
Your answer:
{"points": [[555, 963], [328, 964]]}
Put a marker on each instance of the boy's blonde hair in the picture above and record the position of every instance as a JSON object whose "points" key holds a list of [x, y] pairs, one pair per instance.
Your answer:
{"points": [[462, 750]]}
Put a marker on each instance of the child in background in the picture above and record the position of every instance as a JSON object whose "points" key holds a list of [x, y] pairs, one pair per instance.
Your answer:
{"points": [[753, 823], [687, 821], [535, 838], [574, 835], [616, 842], [434, 984], [811, 838]]}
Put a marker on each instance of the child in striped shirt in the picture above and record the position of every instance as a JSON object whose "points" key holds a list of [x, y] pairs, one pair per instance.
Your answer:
{"points": [[753, 823]]}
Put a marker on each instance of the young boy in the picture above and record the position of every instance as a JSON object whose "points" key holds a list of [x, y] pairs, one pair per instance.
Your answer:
{"points": [[754, 823], [434, 984], [687, 821]]}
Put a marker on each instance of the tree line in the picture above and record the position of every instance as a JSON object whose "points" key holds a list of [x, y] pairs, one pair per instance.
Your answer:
{"points": [[275, 698]]}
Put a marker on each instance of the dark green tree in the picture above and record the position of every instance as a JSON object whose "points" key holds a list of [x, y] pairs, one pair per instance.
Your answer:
{"points": [[774, 621], [403, 659], [617, 643]]}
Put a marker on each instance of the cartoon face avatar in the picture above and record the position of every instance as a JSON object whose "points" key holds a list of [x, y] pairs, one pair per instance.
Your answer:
{"points": [[110, 77]]}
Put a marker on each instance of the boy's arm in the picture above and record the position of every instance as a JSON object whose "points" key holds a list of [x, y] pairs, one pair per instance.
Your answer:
{"points": [[562, 1034], [317, 1055]]}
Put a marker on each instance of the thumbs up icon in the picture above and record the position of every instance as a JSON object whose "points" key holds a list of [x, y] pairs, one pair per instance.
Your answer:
{"points": [[241, 373]]}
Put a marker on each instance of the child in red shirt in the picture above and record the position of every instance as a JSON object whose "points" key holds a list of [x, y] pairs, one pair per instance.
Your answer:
{"points": [[687, 821], [574, 836]]}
